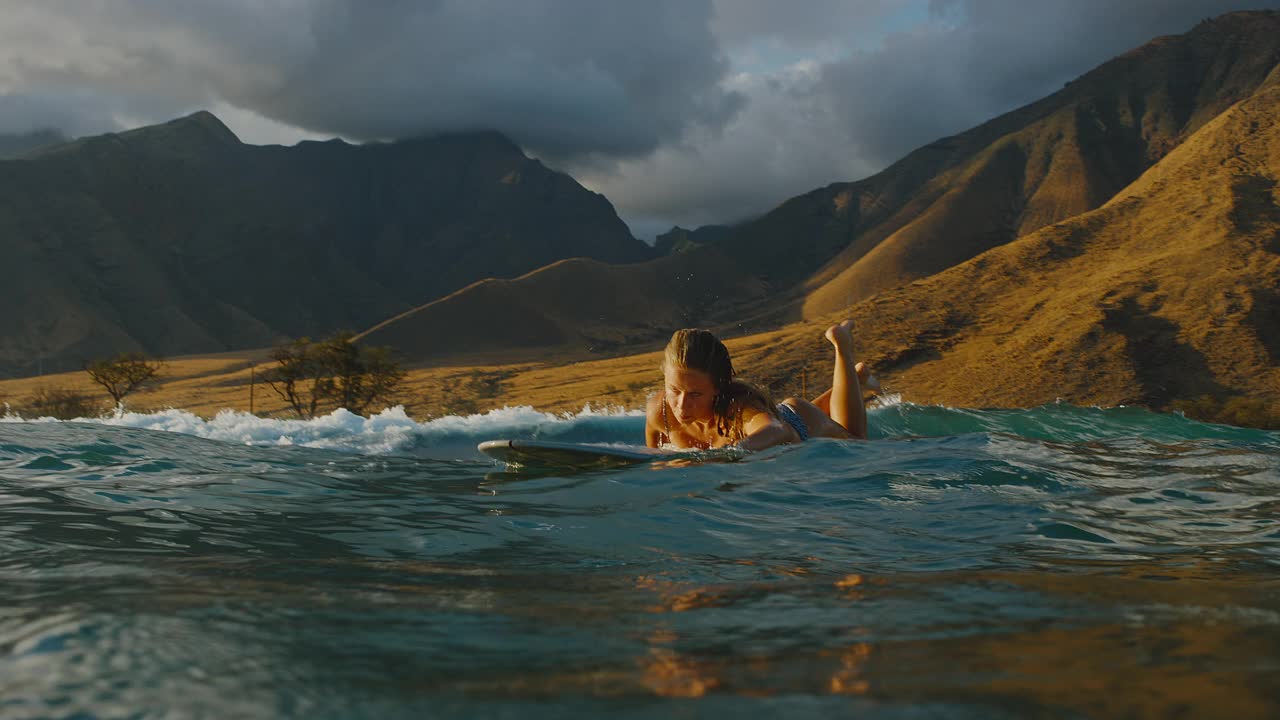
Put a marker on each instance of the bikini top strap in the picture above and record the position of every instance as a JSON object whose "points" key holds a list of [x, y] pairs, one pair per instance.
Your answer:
{"points": [[666, 428]]}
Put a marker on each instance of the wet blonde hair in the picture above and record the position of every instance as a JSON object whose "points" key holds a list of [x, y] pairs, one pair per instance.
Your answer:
{"points": [[697, 349]]}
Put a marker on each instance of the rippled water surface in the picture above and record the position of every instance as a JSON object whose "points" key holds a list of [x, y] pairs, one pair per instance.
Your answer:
{"points": [[1056, 562]]}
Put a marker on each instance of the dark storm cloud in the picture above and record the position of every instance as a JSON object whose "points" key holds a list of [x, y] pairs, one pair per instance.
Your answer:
{"points": [[975, 59], [567, 78], [684, 111], [783, 144], [739, 23], [935, 71], [71, 114]]}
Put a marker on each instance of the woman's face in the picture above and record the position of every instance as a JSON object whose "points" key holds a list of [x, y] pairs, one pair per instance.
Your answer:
{"points": [[690, 394]]}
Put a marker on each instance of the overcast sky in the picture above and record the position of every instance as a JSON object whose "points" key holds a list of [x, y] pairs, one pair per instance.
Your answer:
{"points": [[680, 111]]}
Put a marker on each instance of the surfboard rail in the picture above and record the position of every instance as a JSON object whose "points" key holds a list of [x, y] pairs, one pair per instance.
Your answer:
{"points": [[549, 453]]}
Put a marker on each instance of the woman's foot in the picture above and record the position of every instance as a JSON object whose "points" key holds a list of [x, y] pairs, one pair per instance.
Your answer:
{"points": [[841, 335]]}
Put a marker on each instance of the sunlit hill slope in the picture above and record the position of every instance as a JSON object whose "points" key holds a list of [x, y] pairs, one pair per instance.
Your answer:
{"points": [[1170, 290], [1056, 158], [1108, 244]]}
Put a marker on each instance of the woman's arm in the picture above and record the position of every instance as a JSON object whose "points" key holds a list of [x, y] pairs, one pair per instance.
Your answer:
{"points": [[653, 431], [763, 430]]}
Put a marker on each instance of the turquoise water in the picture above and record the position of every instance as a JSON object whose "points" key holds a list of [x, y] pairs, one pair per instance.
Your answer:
{"points": [[1054, 562]]}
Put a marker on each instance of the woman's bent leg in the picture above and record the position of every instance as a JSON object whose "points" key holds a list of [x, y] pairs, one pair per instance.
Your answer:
{"points": [[823, 401], [846, 405], [870, 388]]}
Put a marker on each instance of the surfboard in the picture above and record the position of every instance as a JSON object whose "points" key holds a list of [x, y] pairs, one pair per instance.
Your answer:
{"points": [[576, 456]]}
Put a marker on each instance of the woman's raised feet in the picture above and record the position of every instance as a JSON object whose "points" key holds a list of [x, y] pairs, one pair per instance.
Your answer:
{"points": [[847, 407], [841, 335]]}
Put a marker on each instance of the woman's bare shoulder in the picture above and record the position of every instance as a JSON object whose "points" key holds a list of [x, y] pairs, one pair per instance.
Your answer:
{"points": [[653, 404], [655, 427]]}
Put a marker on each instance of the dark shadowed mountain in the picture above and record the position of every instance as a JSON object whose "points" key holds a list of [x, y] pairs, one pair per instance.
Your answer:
{"points": [[179, 238], [15, 144], [678, 239], [573, 309]]}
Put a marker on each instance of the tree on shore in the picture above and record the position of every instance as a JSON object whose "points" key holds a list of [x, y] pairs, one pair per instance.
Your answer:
{"points": [[333, 373], [60, 403], [295, 373], [123, 374]]}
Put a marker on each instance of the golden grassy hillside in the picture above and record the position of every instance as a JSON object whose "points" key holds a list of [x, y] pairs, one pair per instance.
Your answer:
{"points": [[572, 309], [206, 385], [1170, 290], [1061, 156]]}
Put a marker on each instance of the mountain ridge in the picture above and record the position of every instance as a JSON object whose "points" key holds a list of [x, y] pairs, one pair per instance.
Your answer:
{"points": [[178, 238], [985, 173], [1087, 142], [13, 145], [1162, 293]]}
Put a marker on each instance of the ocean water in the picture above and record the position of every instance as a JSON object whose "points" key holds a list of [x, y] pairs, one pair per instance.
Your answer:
{"points": [[1054, 562]]}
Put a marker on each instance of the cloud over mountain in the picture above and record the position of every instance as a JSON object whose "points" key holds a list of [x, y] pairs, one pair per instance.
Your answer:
{"points": [[686, 111], [565, 77], [849, 100]]}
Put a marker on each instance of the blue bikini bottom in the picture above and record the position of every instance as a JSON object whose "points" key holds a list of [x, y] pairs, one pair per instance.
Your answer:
{"points": [[794, 420]]}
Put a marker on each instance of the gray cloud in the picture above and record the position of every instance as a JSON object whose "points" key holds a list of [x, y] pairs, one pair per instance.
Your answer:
{"points": [[957, 64], [779, 146], [568, 78], [71, 114], [687, 111], [975, 59], [812, 24]]}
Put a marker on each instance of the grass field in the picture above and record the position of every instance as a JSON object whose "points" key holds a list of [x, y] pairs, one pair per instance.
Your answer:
{"points": [[206, 384]]}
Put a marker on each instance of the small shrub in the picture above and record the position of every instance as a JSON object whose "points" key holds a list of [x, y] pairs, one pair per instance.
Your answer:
{"points": [[60, 403], [333, 373], [486, 385], [122, 374], [460, 406]]}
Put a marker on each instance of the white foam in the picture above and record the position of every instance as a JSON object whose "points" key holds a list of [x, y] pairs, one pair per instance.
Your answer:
{"points": [[391, 431], [885, 401]]}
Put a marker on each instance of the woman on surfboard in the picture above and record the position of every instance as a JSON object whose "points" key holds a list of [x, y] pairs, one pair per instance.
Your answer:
{"points": [[702, 406]]}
